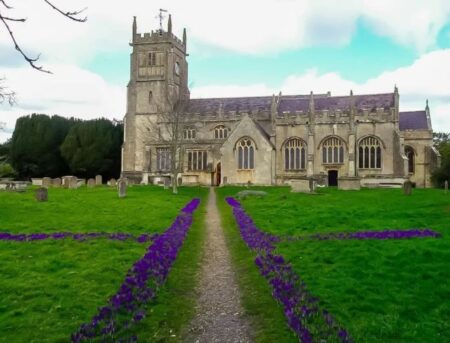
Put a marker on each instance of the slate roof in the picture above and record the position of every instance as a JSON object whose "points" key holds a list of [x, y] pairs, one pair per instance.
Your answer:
{"points": [[292, 103], [261, 103], [413, 120]]}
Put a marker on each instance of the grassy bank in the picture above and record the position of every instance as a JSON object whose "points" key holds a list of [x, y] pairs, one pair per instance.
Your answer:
{"points": [[381, 291], [51, 287]]}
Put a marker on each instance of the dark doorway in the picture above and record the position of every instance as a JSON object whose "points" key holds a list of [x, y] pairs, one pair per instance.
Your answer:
{"points": [[332, 178], [218, 174]]}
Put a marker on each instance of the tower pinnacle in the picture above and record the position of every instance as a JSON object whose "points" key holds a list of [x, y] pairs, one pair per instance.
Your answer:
{"points": [[169, 24]]}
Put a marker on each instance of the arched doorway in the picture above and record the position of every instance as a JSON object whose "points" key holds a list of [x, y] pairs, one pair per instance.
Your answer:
{"points": [[218, 174], [332, 178]]}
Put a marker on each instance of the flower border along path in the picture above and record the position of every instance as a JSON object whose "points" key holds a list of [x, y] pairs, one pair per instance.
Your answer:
{"points": [[301, 309], [140, 286], [117, 236]]}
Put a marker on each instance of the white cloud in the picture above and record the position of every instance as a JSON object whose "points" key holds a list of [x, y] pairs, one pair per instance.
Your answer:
{"points": [[70, 91], [427, 78], [251, 26]]}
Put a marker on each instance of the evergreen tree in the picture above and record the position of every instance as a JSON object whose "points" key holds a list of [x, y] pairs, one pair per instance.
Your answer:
{"points": [[94, 147], [35, 145]]}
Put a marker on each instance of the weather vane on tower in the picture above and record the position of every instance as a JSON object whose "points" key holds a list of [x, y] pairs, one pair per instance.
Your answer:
{"points": [[160, 16]]}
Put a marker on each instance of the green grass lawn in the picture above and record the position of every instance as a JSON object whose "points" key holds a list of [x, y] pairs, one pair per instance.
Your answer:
{"points": [[49, 288], [381, 291]]}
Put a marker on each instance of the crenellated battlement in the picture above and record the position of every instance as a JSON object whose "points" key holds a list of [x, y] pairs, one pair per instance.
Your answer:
{"points": [[159, 36]]}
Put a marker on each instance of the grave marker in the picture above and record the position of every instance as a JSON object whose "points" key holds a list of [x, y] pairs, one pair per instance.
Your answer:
{"points": [[42, 194], [122, 188]]}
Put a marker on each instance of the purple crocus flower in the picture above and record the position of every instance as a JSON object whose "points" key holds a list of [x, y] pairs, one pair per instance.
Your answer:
{"points": [[300, 307], [142, 281]]}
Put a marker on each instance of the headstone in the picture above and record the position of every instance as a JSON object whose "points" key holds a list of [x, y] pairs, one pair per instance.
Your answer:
{"points": [[91, 183], [66, 181], [81, 182], [42, 194], [46, 182], [312, 185], [73, 182], [446, 186], [166, 183], [56, 182], [301, 185], [112, 182], [407, 188], [122, 188], [36, 182], [98, 180]]}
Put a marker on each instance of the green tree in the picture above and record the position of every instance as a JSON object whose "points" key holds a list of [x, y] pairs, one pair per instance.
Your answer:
{"points": [[5, 150], [35, 145], [441, 142], [93, 147]]}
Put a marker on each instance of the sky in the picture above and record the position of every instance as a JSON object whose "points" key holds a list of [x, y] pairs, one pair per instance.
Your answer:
{"points": [[236, 48]]}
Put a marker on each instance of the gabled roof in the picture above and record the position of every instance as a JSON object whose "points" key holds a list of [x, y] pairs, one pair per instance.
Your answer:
{"points": [[413, 120]]}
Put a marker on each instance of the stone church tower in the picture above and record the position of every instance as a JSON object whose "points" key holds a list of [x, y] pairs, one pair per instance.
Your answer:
{"points": [[345, 141], [158, 78]]}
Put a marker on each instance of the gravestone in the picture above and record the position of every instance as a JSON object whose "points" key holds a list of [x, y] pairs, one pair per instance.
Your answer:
{"points": [[122, 188], [301, 185], [81, 182], [56, 182], [42, 194], [112, 182], [98, 180], [446, 186], [73, 182], [66, 181], [46, 182], [166, 183], [91, 183], [312, 185], [407, 188], [36, 182]]}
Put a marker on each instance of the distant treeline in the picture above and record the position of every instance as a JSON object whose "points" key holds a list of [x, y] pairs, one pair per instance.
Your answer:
{"points": [[55, 146]]}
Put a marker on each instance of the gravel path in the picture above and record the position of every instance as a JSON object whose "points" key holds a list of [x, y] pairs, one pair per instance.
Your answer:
{"points": [[219, 312]]}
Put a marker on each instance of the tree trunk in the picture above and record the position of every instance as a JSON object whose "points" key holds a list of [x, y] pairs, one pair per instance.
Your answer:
{"points": [[174, 183]]}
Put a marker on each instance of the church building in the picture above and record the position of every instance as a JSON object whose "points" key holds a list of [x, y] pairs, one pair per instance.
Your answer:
{"points": [[345, 141]]}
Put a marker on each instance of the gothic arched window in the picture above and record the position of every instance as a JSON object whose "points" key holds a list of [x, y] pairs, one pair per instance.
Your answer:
{"points": [[246, 154], [294, 154], [333, 150], [220, 132], [409, 152], [369, 153]]}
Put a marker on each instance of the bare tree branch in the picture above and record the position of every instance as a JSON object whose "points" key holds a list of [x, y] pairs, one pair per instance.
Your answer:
{"points": [[69, 14], [19, 49], [31, 61], [6, 94], [15, 19], [5, 4]]}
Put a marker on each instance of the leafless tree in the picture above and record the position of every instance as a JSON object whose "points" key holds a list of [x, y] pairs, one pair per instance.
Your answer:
{"points": [[7, 22], [6, 94], [167, 131]]}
